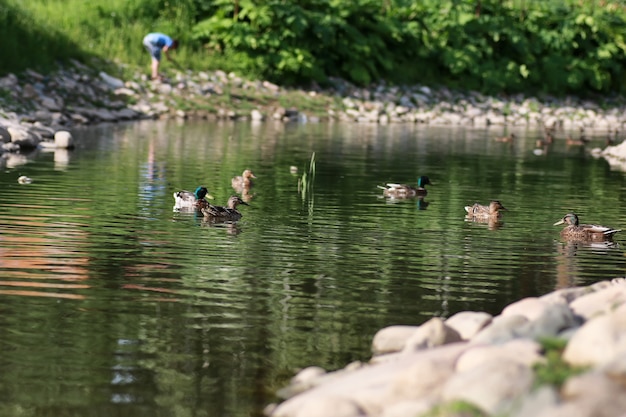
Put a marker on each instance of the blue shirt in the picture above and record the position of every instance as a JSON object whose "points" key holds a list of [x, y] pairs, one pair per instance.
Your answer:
{"points": [[159, 39]]}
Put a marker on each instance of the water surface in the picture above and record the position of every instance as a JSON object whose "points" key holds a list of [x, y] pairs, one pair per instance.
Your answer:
{"points": [[114, 304]]}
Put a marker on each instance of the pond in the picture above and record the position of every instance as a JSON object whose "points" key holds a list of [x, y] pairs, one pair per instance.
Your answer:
{"points": [[112, 303]]}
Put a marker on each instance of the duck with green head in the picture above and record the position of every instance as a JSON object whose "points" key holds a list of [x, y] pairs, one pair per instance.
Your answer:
{"points": [[221, 213], [584, 232], [191, 200], [481, 212], [392, 190]]}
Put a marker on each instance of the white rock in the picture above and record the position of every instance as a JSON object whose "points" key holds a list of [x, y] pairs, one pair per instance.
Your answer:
{"points": [[599, 340], [392, 338], [430, 334], [468, 323], [63, 139], [493, 386], [600, 302], [523, 351]]}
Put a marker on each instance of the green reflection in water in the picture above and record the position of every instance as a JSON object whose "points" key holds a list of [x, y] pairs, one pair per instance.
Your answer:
{"points": [[113, 304]]}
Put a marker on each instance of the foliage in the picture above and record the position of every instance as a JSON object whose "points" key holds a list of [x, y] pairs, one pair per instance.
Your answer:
{"points": [[555, 371], [455, 408], [494, 46]]}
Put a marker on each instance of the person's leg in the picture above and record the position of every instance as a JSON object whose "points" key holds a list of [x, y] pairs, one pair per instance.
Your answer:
{"points": [[155, 68]]}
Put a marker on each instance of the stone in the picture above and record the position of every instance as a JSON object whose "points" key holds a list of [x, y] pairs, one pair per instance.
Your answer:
{"points": [[468, 323], [523, 351], [112, 82], [501, 329], [392, 338], [407, 408], [430, 334], [494, 386], [599, 340], [5, 136], [543, 398], [600, 302], [63, 139]]}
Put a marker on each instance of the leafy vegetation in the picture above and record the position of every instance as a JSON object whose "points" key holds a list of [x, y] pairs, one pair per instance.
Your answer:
{"points": [[555, 371], [493, 46]]}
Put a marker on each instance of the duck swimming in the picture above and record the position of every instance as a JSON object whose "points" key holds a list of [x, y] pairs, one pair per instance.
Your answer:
{"points": [[243, 181], [584, 232], [392, 190], [220, 213], [481, 212], [187, 200]]}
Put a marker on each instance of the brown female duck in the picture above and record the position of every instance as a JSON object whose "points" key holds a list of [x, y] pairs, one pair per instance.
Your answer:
{"points": [[243, 181], [221, 213], [481, 212]]}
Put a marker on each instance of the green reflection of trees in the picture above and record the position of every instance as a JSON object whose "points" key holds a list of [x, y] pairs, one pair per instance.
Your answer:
{"points": [[181, 319]]}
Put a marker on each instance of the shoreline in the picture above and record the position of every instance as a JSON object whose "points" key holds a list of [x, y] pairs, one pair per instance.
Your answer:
{"points": [[561, 354], [79, 95]]}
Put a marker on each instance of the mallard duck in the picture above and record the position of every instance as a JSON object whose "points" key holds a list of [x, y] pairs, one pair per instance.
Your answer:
{"points": [[220, 213], [392, 190], [243, 181], [187, 200], [584, 232], [509, 138], [480, 212]]}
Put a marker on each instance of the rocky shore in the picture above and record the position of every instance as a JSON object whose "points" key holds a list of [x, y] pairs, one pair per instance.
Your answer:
{"points": [[562, 354], [34, 107]]}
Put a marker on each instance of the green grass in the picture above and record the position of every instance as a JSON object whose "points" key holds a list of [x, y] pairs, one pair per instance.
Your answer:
{"points": [[555, 371]]}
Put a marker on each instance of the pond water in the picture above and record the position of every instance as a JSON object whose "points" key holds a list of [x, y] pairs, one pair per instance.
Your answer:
{"points": [[112, 304]]}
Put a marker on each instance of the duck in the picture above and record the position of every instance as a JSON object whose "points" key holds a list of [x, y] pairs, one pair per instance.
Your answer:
{"points": [[584, 232], [546, 141], [482, 212], [392, 190], [23, 179], [569, 141], [509, 138], [187, 200], [243, 181], [221, 213]]}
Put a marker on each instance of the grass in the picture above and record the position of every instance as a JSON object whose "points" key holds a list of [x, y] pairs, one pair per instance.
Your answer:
{"points": [[554, 371]]}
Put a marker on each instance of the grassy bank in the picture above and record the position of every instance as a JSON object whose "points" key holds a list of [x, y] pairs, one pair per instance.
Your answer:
{"points": [[493, 46]]}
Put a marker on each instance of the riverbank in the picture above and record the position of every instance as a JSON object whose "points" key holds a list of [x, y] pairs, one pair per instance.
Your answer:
{"points": [[79, 95], [561, 354]]}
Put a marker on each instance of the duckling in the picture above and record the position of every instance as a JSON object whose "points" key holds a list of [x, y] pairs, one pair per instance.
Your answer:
{"points": [[220, 213], [508, 139], [393, 190], [481, 212], [243, 181], [187, 200], [584, 232]]}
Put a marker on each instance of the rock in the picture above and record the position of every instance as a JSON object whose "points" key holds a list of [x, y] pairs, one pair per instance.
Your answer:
{"points": [[501, 329], [599, 340], [493, 386], [523, 351], [23, 137], [63, 139], [468, 323], [600, 302], [112, 82], [392, 339], [430, 334], [5, 136]]}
